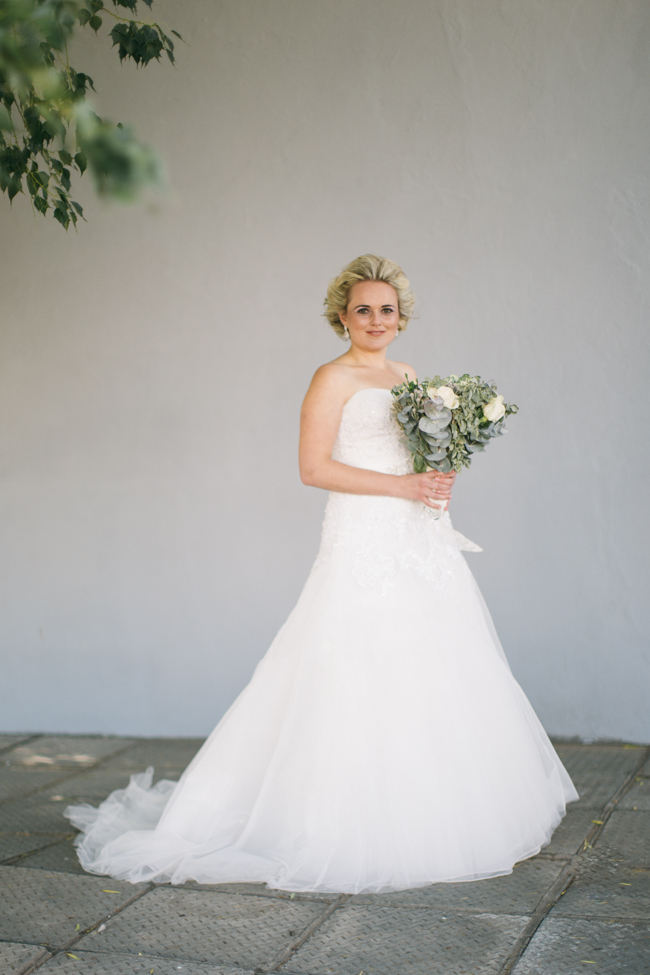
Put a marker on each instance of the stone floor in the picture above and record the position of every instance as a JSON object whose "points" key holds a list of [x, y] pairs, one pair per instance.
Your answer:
{"points": [[580, 906]]}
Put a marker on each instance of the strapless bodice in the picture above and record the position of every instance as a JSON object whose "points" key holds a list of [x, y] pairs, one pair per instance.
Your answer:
{"points": [[372, 537], [369, 435]]}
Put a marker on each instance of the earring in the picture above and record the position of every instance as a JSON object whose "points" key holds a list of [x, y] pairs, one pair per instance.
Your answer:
{"points": [[346, 334]]}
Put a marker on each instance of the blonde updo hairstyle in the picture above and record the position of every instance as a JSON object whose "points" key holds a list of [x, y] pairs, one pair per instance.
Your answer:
{"points": [[368, 267]]}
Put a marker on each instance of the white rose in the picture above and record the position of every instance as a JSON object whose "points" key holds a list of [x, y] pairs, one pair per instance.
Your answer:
{"points": [[495, 409], [446, 394]]}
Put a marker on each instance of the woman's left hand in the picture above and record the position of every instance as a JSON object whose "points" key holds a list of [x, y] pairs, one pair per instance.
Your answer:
{"points": [[443, 486]]}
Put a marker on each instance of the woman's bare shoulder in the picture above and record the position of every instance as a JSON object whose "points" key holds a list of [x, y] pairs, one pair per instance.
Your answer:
{"points": [[404, 369], [332, 379]]}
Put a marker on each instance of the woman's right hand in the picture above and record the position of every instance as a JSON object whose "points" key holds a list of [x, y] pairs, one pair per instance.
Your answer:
{"points": [[430, 487]]}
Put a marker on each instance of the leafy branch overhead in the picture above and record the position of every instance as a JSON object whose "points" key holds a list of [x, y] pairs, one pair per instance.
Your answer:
{"points": [[48, 127]]}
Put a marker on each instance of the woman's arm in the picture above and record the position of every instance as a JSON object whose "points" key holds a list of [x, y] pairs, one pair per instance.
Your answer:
{"points": [[319, 422]]}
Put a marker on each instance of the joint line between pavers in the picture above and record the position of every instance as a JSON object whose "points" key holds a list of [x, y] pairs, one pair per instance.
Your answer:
{"points": [[45, 955], [21, 741], [36, 964], [283, 957], [69, 774], [610, 806], [559, 886], [15, 860], [567, 876]]}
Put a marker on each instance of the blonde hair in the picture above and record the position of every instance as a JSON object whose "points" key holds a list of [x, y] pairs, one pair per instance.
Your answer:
{"points": [[368, 267]]}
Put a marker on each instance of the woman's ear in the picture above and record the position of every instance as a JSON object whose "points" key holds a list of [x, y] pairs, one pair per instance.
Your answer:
{"points": [[343, 318]]}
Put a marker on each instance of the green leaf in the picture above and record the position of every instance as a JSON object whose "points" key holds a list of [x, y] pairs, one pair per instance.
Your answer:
{"points": [[433, 426], [39, 132], [79, 81], [62, 216], [6, 123], [81, 162], [95, 22], [14, 186], [65, 157], [40, 203]]}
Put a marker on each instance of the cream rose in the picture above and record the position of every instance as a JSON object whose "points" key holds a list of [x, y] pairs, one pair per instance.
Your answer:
{"points": [[446, 394], [494, 409]]}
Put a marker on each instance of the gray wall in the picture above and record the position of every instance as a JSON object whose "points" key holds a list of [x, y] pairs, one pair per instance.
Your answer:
{"points": [[155, 531]]}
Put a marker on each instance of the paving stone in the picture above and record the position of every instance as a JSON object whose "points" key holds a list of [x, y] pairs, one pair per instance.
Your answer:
{"points": [[599, 770], [37, 814], [240, 930], [385, 941], [13, 844], [14, 957], [93, 785], [570, 833], [16, 781], [568, 946], [10, 741], [638, 797], [44, 907], [91, 963], [64, 751], [605, 887], [163, 753], [445, 929], [626, 835], [515, 893], [60, 857], [261, 890]]}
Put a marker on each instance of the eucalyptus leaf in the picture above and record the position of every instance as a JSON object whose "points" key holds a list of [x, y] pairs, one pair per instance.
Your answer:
{"points": [[433, 426]]}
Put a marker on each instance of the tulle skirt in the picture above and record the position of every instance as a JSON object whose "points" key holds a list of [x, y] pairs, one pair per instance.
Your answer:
{"points": [[382, 743]]}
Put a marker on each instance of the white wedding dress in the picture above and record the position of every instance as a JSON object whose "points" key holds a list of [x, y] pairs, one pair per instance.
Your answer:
{"points": [[382, 741]]}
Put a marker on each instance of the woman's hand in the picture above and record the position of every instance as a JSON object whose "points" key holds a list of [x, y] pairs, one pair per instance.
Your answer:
{"points": [[431, 487]]}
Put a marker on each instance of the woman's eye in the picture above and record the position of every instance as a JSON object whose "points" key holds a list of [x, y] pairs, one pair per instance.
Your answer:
{"points": [[388, 310]]}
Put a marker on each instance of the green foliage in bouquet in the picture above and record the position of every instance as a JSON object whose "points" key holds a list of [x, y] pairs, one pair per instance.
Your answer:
{"points": [[445, 420], [48, 128]]}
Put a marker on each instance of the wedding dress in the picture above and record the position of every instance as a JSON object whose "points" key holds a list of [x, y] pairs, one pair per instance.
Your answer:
{"points": [[382, 741]]}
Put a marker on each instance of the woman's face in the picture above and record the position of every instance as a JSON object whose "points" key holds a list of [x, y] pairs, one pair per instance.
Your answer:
{"points": [[372, 315]]}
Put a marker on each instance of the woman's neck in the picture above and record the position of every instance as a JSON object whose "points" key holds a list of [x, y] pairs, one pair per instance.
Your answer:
{"points": [[372, 360]]}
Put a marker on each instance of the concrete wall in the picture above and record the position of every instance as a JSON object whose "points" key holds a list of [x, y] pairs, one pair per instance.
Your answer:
{"points": [[154, 529]]}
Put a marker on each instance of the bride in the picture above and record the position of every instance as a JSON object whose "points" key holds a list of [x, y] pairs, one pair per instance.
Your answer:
{"points": [[382, 741]]}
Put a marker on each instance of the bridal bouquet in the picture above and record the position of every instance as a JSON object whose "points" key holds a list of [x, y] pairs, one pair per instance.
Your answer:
{"points": [[446, 420]]}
